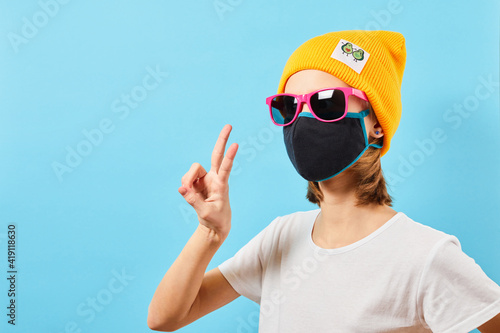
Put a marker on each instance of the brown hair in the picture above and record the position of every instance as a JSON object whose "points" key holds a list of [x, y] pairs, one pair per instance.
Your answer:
{"points": [[370, 181]]}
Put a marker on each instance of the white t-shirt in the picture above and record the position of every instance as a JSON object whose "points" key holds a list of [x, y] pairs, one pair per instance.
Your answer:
{"points": [[403, 277]]}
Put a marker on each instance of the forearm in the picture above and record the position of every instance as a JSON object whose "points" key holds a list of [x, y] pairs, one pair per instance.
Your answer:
{"points": [[178, 289]]}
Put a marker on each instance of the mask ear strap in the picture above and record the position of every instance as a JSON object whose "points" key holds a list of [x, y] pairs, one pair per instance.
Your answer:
{"points": [[360, 114], [375, 145], [363, 114]]}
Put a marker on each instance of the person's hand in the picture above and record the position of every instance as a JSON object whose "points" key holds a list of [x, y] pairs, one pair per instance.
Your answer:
{"points": [[208, 192]]}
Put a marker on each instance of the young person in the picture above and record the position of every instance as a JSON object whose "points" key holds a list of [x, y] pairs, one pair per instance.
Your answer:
{"points": [[354, 264]]}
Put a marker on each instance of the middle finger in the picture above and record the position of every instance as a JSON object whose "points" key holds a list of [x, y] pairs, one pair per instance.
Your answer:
{"points": [[220, 146]]}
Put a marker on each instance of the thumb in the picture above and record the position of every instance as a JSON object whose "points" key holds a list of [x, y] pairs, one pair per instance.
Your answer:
{"points": [[182, 190], [189, 195]]}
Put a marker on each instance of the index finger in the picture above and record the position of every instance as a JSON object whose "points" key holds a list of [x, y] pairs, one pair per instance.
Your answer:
{"points": [[227, 163], [220, 146]]}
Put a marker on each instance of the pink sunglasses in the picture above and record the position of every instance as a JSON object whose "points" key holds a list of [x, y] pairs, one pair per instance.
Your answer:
{"points": [[327, 105]]}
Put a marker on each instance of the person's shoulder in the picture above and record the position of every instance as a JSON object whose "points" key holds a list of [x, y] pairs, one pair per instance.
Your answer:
{"points": [[422, 234], [301, 214], [298, 216], [416, 242], [294, 220]]}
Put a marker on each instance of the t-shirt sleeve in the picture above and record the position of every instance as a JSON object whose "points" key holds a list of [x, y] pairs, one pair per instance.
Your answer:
{"points": [[244, 270], [455, 295]]}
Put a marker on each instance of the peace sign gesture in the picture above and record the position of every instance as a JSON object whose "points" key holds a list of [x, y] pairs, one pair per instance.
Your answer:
{"points": [[208, 192]]}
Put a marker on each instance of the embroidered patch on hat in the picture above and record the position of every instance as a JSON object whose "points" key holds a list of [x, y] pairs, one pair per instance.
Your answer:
{"points": [[351, 55]]}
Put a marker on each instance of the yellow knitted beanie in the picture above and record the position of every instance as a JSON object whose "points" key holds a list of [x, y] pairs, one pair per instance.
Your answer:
{"points": [[371, 61]]}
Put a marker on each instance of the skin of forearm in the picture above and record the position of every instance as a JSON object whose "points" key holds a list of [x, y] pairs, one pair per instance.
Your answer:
{"points": [[179, 287]]}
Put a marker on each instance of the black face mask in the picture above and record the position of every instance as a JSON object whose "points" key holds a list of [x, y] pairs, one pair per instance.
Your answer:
{"points": [[320, 150]]}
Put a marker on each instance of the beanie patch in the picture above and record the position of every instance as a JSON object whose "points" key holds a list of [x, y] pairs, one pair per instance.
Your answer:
{"points": [[351, 55]]}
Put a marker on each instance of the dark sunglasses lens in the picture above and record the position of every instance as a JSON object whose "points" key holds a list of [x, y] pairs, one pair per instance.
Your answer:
{"points": [[328, 104], [283, 109]]}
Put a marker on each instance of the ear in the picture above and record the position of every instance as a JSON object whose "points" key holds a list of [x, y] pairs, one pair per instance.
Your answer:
{"points": [[373, 126], [377, 128]]}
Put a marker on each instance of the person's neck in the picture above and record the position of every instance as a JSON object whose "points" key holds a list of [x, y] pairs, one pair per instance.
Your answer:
{"points": [[340, 221]]}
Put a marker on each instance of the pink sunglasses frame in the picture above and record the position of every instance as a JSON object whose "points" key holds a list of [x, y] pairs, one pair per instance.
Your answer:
{"points": [[348, 91]]}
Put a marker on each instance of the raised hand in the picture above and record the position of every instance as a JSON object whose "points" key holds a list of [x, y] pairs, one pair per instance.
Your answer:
{"points": [[208, 192]]}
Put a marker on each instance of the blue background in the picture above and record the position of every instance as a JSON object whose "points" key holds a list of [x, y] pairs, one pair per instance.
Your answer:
{"points": [[118, 210]]}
